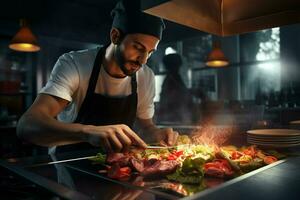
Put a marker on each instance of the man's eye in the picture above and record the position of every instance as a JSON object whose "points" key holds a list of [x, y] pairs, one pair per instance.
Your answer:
{"points": [[138, 48]]}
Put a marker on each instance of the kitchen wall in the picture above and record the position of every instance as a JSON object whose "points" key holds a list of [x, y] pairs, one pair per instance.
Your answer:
{"points": [[290, 56]]}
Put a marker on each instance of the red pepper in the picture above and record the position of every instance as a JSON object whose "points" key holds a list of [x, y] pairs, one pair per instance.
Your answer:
{"points": [[218, 168], [250, 151], [178, 153], [175, 155], [236, 155], [172, 157], [269, 159], [117, 172]]}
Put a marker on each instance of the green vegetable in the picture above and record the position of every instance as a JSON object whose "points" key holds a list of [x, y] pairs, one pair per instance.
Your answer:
{"points": [[179, 176], [190, 166], [183, 139], [156, 153], [99, 158], [204, 152], [191, 171], [226, 156]]}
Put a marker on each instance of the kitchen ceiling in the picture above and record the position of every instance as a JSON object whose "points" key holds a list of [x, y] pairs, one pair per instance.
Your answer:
{"points": [[76, 20], [226, 17]]}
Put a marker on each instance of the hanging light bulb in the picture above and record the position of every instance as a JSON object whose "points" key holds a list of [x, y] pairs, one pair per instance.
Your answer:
{"points": [[24, 40], [216, 57]]}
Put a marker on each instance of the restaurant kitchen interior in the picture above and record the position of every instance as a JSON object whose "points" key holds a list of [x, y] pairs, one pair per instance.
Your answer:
{"points": [[259, 87]]}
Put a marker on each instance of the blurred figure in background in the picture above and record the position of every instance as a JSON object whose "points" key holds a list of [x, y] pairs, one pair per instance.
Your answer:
{"points": [[175, 99]]}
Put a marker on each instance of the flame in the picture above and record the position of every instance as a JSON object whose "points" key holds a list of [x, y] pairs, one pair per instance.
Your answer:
{"points": [[211, 135]]}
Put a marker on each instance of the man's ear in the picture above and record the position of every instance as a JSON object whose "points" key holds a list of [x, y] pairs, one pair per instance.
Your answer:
{"points": [[115, 36]]}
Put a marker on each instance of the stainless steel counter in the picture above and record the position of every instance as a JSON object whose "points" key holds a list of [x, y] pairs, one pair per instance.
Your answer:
{"points": [[71, 178]]}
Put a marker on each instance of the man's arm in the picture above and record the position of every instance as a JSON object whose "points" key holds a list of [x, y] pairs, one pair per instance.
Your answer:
{"points": [[153, 134], [38, 125]]}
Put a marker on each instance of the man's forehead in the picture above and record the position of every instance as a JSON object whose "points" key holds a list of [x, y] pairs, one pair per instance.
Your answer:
{"points": [[144, 39]]}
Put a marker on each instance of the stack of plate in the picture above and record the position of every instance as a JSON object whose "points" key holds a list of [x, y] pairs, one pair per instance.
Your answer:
{"points": [[295, 124], [274, 137]]}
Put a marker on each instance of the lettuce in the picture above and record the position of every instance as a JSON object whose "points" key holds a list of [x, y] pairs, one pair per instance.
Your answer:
{"points": [[181, 177], [191, 171], [191, 166], [99, 158]]}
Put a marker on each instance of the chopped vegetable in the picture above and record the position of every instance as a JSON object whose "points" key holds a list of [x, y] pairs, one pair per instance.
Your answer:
{"points": [[187, 163], [117, 172], [180, 176], [99, 158], [236, 155], [218, 168], [232, 163], [269, 159], [190, 166], [183, 139], [175, 155], [191, 171]]}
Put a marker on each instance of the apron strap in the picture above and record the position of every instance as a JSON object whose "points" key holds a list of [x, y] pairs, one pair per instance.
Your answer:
{"points": [[92, 83], [133, 84]]}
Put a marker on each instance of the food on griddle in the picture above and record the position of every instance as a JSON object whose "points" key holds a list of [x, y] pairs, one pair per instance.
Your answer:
{"points": [[187, 163], [219, 168], [117, 172], [122, 159]]}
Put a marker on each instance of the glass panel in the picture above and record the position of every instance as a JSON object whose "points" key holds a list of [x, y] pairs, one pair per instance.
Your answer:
{"points": [[17, 88], [197, 49], [260, 46], [159, 79], [269, 47], [261, 79]]}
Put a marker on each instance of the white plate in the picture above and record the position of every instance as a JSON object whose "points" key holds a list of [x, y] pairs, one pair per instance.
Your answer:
{"points": [[295, 122], [274, 145], [283, 139], [275, 132], [274, 137], [274, 142]]}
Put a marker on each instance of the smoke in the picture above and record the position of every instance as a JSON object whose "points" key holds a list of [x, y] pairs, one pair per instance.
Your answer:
{"points": [[212, 135]]}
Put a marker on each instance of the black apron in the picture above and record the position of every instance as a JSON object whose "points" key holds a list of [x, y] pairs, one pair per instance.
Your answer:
{"points": [[98, 109]]}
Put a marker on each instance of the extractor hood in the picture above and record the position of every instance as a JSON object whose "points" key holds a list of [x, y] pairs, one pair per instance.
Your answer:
{"points": [[226, 17]]}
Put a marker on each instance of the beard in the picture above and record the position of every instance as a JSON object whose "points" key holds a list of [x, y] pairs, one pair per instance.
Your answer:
{"points": [[121, 61]]}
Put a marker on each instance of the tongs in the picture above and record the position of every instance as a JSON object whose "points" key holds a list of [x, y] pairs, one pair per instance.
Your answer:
{"points": [[160, 147]]}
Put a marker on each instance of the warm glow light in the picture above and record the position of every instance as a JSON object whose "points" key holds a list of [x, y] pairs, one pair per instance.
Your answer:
{"points": [[24, 47], [217, 63], [216, 57], [24, 40]]}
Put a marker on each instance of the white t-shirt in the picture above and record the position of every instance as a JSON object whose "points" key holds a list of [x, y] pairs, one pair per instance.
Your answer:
{"points": [[69, 80]]}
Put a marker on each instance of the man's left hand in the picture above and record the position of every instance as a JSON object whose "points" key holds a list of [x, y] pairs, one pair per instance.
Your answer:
{"points": [[166, 136]]}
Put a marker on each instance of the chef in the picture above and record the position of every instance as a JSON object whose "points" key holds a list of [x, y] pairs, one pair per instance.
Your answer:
{"points": [[95, 96]]}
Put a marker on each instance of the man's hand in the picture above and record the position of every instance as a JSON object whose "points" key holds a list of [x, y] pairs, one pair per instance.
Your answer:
{"points": [[152, 133], [166, 137], [113, 138]]}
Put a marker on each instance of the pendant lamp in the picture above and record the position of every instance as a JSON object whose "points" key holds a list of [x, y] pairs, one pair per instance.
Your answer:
{"points": [[216, 57], [24, 40]]}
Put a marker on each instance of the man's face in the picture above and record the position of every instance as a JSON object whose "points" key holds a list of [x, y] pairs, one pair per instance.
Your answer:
{"points": [[134, 51]]}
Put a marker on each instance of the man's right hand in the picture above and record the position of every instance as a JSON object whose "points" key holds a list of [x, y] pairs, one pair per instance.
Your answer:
{"points": [[113, 138]]}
